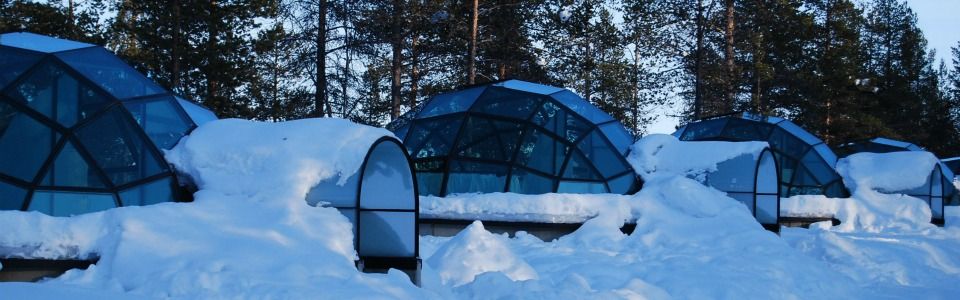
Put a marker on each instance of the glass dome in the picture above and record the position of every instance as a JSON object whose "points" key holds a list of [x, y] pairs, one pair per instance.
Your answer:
{"points": [[81, 131], [515, 136], [806, 163]]}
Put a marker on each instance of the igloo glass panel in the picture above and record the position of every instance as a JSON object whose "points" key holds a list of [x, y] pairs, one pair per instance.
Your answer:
{"points": [[351, 214], [113, 142], [387, 181], [484, 138], [582, 107], [798, 132], [734, 175], [818, 168], [768, 209], [767, 174], [743, 130], [542, 152], [110, 73], [160, 119], [69, 168], [936, 207], [11, 196], [602, 155], [507, 103], [451, 102], [387, 234], [618, 136], [149, 193], [197, 113], [476, 177], [578, 167], [39, 43], [58, 95], [704, 130], [622, 184], [745, 198], [556, 120], [65, 204], [334, 194], [529, 87], [527, 182], [13, 63], [25, 143]]}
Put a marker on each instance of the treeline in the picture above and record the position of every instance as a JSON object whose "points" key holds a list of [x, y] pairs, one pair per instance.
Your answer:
{"points": [[846, 70]]}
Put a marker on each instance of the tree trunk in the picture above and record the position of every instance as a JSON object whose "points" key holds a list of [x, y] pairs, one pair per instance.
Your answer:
{"points": [[827, 41], [320, 85], [472, 59], [70, 20], [414, 70], [698, 97], [729, 56], [175, 48], [213, 33], [395, 67]]}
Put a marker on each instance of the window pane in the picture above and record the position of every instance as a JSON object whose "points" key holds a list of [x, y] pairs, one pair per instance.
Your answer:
{"points": [[197, 113], [39, 43], [63, 204], [110, 73], [160, 120], [618, 135], [800, 133], [474, 177], [451, 102], [578, 187], [13, 63], [336, 195], [507, 103], [579, 168], [432, 138], [742, 130], [58, 95], [555, 119], [70, 169], [11, 197], [388, 234], [602, 155], [387, 181], [768, 209], [734, 175], [786, 143], [542, 152], [116, 147], [704, 130], [529, 87], [525, 182], [489, 139], [150, 193], [936, 207], [581, 107], [622, 184], [767, 174], [744, 198], [25, 143], [820, 170]]}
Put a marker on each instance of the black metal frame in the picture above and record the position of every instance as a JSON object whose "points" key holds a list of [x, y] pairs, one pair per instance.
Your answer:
{"points": [[400, 261], [70, 134], [775, 227], [823, 186], [936, 174], [527, 126]]}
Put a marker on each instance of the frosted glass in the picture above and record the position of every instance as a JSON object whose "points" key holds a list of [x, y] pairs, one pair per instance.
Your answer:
{"points": [[767, 174], [734, 175], [767, 209], [390, 234], [387, 180], [337, 195]]}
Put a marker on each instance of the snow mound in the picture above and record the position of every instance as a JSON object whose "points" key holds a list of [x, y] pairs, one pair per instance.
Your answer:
{"points": [[475, 251], [866, 211], [248, 234], [886, 172], [660, 155], [544, 208]]}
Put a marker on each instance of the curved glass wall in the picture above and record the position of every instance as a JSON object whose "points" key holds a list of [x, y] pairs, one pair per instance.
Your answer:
{"points": [[515, 136], [806, 163], [945, 185], [81, 131], [752, 180]]}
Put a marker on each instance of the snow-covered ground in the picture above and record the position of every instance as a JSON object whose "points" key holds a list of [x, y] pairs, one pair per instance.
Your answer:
{"points": [[250, 234]]}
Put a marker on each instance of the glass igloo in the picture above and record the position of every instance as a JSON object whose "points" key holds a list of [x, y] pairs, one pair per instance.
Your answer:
{"points": [[81, 131], [515, 136], [806, 163]]}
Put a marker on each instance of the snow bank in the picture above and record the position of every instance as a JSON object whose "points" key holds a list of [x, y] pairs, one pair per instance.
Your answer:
{"points": [[662, 155], [886, 172], [866, 211], [248, 234], [545, 208], [476, 251]]}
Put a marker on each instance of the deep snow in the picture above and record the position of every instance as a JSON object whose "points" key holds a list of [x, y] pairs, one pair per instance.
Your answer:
{"points": [[249, 234]]}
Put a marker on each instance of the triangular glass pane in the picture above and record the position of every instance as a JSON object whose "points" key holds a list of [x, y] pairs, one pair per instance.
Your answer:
{"points": [[39, 43], [11, 196], [25, 143], [55, 93], [13, 63], [110, 73], [199, 114], [160, 119], [579, 168], [71, 169], [116, 147], [602, 155], [503, 102], [542, 152], [149, 193], [453, 102], [582, 107]]}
